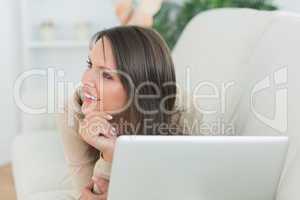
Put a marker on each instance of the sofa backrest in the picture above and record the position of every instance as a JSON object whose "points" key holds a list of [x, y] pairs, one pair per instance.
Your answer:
{"points": [[211, 58], [240, 66], [275, 64]]}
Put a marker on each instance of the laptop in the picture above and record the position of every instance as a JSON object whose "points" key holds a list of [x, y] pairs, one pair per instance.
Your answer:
{"points": [[197, 167]]}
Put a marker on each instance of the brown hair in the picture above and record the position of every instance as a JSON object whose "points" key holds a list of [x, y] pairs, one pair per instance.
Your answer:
{"points": [[144, 56]]}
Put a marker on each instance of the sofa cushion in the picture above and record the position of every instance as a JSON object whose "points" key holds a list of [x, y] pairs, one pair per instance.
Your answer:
{"points": [[39, 164], [52, 195]]}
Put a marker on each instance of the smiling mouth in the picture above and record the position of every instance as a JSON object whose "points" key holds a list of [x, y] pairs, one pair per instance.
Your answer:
{"points": [[88, 97]]}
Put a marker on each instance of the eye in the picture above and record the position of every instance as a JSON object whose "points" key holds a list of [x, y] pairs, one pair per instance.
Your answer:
{"points": [[89, 63], [106, 75]]}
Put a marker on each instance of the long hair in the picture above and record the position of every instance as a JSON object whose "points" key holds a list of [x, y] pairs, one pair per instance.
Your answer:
{"points": [[143, 55]]}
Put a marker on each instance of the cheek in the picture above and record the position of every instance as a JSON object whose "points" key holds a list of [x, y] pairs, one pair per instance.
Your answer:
{"points": [[83, 77], [114, 96], [86, 76]]}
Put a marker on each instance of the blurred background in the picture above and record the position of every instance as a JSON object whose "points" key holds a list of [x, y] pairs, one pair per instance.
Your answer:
{"points": [[49, 39]]}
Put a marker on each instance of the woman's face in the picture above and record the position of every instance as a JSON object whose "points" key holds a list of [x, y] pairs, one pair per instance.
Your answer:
{"points": [[102, 87]]}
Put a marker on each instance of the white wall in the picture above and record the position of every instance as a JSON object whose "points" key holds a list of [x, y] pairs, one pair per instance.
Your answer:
{"points": [[10, 55], [289, 5], [9, 62]]}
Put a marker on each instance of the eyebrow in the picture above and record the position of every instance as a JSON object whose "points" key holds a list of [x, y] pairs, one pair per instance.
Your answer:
{"points": [[109, 69], [106, 69]]}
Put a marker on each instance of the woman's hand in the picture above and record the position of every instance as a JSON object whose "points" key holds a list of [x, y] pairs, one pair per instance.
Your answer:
{"points": [[98, 132], [87, 193]]}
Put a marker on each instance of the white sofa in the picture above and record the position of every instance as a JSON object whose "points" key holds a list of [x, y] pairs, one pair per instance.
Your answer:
{"points": [[220, 46]]}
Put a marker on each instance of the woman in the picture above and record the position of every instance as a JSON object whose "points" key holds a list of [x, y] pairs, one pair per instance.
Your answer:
{"points": [[129, 87]]}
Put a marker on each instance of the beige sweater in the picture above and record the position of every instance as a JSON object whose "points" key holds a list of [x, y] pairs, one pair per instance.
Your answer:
{"points": [[82, 159]]}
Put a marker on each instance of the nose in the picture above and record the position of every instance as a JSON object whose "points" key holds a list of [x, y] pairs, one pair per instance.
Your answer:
{"points": [[89, 83], [88, 79]]}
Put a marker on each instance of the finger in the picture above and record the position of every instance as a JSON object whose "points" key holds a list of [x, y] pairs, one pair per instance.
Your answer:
{"points": [[89, 185], [94, 113], [93, 106], [85, 192], [103, 143], [100, 126], [100, 142], [89, 195], [101, 183], [103, 196]]}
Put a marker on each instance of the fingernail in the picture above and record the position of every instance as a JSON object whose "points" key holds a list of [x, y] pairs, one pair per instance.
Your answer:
{"points": [[109, 116]]}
